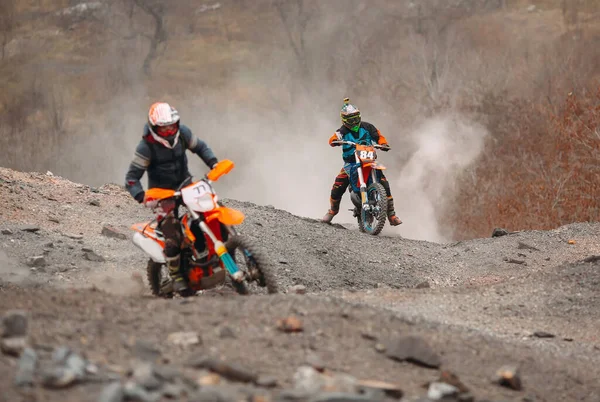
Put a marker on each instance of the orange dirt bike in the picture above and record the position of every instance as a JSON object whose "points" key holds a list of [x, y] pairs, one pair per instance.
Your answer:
{"points": [[212, 250], [366, 192]]}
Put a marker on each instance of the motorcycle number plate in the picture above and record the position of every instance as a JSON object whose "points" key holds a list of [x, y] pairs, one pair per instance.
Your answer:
{"points": [[366, 155], [199, 197]]}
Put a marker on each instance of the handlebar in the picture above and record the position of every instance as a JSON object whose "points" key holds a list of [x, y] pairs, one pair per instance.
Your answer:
{"points": [[342, 142]]}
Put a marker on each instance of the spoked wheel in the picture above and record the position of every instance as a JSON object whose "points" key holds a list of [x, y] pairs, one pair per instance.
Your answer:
{"points": [[373, 220], [159, 280], [252, 262]]}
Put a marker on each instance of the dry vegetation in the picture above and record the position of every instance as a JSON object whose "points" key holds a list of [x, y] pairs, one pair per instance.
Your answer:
{"points": [[530, 76]]}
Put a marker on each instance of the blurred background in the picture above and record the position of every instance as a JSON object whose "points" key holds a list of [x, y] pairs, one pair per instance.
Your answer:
{"points": [[491, 107]]}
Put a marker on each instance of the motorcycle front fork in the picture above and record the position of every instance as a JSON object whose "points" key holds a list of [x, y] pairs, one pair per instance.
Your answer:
{"points": [[220, 249], [363, 188]]}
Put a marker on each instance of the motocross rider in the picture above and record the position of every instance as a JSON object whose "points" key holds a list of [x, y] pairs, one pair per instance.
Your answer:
{"points": [[355, 130], [161, 153]]}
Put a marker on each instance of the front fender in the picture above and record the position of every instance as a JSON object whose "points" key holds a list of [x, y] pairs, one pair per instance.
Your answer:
{"points": [[375, 165], [227, 216]]}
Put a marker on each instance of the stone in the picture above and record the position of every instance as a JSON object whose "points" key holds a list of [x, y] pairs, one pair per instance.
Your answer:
{"points": [[30, 228], [184, 339], [290, 324], [441, 391], [13, 346], [37, 261], [298, 289], [91, 256], [26, 368], [498, 232], [231, 371], [509, 376], [110, 231], [113, 392], [14, 323], [413, 349]]}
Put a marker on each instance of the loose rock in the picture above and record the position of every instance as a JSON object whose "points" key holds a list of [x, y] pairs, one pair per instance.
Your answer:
{"points": [[144, 375], [524, 246], [184, 338], [26, 368], [136, 392], [498, 232], [37, 261], [144, 350], [14, 323], [92, 256], [109, 231], [266, 381], [290, 324], [230, 371], [413, 349], [112, 393], [7, 232], [543, 334], [389, 389], [30, 228], [441, 391], [508, 376], [227, 332], [13, 346], [450, 378], [298, 289], [58, 377]]}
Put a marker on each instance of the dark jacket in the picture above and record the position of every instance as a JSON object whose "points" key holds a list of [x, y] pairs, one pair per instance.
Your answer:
{"points": [[167, 168], [365, 135]]}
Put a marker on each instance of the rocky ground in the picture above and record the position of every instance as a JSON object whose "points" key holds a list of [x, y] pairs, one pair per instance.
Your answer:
{"points": [[378, 318]]}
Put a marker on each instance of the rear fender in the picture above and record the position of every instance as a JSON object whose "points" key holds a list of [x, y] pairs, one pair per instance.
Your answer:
{"points": [[149, 230], [150, 247]]}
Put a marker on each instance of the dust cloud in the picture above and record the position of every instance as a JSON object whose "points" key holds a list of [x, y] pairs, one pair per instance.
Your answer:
{"points": [[444, 147], [278, 135]]}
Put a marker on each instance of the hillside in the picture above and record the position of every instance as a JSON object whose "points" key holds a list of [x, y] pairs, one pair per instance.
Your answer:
{"points": [[468, 79]]}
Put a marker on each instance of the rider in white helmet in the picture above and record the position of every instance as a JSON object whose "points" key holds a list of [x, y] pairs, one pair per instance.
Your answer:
{"points": [[161, 153]]}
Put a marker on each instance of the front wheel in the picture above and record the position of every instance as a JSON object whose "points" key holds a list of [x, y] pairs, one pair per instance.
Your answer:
{"points": [[372, 221], [253, 263]]}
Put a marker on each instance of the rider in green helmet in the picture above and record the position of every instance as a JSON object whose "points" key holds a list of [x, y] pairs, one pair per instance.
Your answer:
{"points": [[355, 130]]}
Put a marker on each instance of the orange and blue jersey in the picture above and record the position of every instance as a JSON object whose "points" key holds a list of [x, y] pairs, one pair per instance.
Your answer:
{"points": [[367, 133]]}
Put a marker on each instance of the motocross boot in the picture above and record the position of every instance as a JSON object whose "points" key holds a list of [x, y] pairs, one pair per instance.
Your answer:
{"points": [[179, 284], [394, 220], [333, 211]]}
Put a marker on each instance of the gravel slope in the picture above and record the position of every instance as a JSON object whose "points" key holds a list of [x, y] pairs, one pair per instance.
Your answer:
{"points": [[477, 303]]}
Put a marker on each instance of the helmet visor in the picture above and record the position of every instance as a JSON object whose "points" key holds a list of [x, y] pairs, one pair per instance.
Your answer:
{"points": [[167, 131], [352, 120]]}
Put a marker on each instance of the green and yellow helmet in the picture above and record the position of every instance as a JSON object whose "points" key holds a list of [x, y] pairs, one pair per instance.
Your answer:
{"points": [[350, 115]]}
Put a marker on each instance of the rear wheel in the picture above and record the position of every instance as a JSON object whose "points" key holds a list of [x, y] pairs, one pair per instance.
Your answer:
{"points": [[253, 263], [159, 280], [372, 221]]}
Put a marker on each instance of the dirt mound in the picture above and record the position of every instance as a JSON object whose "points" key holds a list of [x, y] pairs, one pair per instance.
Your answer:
{"points": [[525, 299]]}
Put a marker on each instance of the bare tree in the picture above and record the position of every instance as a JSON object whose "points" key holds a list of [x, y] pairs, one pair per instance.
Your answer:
{"points": [[7, 23], [295, 16], [155, 9]]}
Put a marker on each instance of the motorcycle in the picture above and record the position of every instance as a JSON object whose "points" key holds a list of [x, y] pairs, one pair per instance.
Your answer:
{"points": [[366, 193], [212, 250]]}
